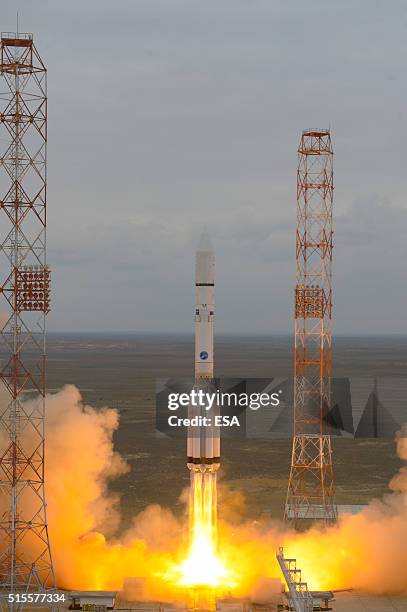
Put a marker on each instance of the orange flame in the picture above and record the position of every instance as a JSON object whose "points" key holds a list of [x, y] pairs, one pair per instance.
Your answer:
{"points": [[203, 566]]}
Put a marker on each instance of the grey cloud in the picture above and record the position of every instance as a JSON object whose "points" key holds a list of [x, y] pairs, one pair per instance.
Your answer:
{"points": [[167, 116]]}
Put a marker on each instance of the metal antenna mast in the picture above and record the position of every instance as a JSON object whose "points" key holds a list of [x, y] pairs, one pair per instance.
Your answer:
{"points": [[311, 486], [25, 556]]}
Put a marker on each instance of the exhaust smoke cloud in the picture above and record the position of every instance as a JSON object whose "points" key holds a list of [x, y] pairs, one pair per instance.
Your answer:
{"points": [[365, 551]]}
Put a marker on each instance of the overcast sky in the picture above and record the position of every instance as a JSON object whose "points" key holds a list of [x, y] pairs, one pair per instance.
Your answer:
{"points": [[167, 117]]}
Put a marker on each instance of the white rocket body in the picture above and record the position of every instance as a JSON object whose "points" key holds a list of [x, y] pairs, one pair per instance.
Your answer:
{"points": [[204, 310], [203, 447]]}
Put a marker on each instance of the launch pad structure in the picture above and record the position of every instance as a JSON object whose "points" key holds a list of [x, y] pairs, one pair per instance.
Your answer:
{"points": [[310, 494], [25, 556]]}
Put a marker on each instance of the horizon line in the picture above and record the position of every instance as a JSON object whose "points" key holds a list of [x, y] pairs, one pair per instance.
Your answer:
{"points": [[223, 333]]}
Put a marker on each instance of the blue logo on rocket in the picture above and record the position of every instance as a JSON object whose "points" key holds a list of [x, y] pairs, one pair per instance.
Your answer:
{"points": [[203, 355]]}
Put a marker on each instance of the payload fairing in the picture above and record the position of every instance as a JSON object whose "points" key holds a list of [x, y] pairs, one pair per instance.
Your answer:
{"points": [[204, 309]]}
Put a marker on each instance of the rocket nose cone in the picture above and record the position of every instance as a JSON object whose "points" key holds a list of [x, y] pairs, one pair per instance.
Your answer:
{"points": [[205, 244], [205, 262]]}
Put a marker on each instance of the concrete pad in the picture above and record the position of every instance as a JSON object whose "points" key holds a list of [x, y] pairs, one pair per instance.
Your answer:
{"points": [[354, 601]]}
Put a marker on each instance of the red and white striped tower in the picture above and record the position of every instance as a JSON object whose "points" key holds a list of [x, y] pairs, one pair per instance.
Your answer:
{"points": [[25, 556], [310, 493]]}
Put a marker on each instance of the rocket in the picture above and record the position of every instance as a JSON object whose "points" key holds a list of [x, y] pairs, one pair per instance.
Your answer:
{"points": [[203, 446]]}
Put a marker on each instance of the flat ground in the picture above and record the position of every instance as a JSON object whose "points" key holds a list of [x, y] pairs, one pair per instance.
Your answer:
{"points": [[120, 371]]}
